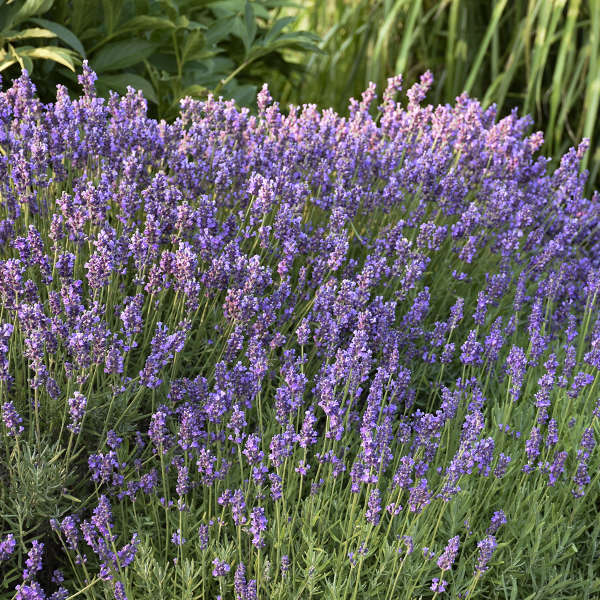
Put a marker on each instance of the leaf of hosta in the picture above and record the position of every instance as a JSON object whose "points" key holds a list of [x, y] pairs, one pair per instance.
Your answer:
{"points": [[60, 55], [62, 33], [120, 81], [120, 55]]}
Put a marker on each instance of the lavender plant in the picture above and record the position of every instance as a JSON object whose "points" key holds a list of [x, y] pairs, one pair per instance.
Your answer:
{"points": [[294, 355]]}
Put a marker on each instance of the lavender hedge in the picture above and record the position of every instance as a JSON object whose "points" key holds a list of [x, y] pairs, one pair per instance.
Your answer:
{"points": [[294, 355]]}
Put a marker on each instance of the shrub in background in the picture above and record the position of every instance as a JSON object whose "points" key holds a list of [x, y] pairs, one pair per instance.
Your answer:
{"points": [[167, 48]]}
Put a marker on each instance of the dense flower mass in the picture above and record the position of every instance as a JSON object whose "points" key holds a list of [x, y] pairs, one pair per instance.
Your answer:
{"points": [[275, 353]]}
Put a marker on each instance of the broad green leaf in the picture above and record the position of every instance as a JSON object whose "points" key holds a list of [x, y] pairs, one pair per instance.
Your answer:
{"points": [[193, 25], [7, 18], [170, 8], [60, 55], [220, 30], [64, 34], [31, 8], [120, 81], [6, 62], [198, 91], [182, 22], [227, 6], [277, 28], [120, 55], [193, 45], [110, 15], [147, 23], [250, 29], [33, 32], [237, 28]]}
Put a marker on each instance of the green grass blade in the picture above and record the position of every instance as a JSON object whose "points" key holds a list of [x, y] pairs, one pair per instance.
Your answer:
{"points": [[497, 14]]}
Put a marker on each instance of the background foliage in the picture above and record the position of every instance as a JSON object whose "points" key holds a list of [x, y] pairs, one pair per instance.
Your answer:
{"points": [[167, 48], [539, 55]]}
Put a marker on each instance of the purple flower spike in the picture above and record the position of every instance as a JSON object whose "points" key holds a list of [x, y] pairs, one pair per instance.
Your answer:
{"points": [[486, 548], [221, 568], [7, 546], [77, 406], [438, 585], [12, 419], [447, 558]]}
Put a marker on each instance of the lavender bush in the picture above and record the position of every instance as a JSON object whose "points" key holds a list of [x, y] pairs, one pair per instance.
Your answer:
{"points": [[294, 355]]}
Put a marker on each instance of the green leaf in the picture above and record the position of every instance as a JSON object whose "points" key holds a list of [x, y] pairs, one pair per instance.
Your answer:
{"points": [[120, 81], [6, 62], [110, 17], [60, 55], [31, 8], [62, 33], [193, 47], [229, 7], [147, 23], [196, 91], [120, 55], [277, 28], [72, 498], [182, 22], [250, 23], [33, 32], [170, 8], [220, 30]]}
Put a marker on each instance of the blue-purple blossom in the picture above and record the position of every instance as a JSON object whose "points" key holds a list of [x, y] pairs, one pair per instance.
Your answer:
{"points": [[438, 585], [12, 420], [448, 556], [7, 546], [486, 548], [77, 406], [498, 519], [220, 568], [34, 560]]}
